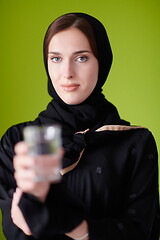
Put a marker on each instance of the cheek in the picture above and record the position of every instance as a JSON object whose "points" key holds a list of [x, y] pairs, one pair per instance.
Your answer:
{"points": [[53, 73], [93, 74]]}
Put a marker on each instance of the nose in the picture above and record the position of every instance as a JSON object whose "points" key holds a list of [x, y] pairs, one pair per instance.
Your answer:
{"points": [[69, 72]]}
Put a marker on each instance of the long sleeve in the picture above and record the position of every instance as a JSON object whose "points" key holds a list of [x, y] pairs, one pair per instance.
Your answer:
{"points": [[59, 214], [7, 186]]}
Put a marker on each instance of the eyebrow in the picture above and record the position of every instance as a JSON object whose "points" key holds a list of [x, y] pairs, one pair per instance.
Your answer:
{"points": [[77, 52]]}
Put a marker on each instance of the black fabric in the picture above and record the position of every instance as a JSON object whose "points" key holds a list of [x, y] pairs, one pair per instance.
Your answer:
{"points": [[79, 118], [114, 187]]}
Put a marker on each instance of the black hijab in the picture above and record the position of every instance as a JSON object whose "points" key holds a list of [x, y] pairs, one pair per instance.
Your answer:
{"points": [[91, 114]]}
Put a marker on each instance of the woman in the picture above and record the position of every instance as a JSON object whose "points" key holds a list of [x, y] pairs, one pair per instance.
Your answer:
{"points": [[109, 188]]}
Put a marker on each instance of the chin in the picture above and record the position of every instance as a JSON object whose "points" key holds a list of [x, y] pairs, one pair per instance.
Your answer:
{"points": [[72, 102]]}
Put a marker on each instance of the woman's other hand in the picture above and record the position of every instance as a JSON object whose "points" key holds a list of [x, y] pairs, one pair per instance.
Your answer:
{"points": [[80, 232]]}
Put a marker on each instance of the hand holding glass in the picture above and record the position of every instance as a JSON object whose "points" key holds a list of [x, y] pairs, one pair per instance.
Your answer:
{"points": [[44, 144]]}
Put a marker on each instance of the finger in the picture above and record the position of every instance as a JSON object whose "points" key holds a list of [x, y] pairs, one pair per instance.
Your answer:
{"points": [[32, 187], [25, 180], [24, 175], [26, 185], [23, 162], [21, 148]]}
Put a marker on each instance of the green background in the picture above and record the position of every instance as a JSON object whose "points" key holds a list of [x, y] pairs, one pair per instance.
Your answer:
{"points": [[133, 85]]}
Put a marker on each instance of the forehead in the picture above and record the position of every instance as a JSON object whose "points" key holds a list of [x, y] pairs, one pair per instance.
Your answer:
{"points": [[71, 39]]}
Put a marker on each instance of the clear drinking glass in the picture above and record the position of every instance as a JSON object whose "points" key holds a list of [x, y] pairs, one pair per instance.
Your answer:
{"points": [[44, 143]]}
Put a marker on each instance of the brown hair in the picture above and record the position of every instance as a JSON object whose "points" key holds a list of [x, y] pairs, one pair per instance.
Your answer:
{"points": [[68, 21]]}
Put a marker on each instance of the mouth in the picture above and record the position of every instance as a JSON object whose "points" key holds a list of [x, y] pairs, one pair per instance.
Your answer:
{"points": [[70, 87]]}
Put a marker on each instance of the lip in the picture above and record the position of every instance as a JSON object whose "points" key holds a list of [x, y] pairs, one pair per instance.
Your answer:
{"points": [[70, 87]]}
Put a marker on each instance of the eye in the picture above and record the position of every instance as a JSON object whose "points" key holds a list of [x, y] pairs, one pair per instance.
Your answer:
{"points": [[82, 59], [56, 59]]}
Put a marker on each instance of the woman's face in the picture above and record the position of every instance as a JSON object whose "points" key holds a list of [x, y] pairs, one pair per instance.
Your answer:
{"points": [[72, 66]]}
